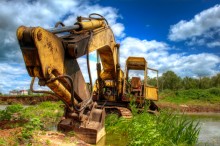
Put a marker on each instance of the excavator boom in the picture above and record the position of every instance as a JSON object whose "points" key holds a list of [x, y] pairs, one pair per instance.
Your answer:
{"points": [[51, 56]]}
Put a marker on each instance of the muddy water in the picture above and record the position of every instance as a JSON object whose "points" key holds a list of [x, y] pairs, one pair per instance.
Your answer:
{"points": [[210, 128], [2, 107]]}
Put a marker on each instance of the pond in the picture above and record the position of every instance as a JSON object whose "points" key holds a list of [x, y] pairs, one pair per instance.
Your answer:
{"points": [[2, 107], [210, 128]]}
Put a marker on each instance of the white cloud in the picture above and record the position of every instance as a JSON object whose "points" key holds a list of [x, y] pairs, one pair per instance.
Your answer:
{"points": [[13, 76], [109, 13], [157, 55], [44, 13], [142, 48], [118, 29], [213, 44], [204, 25], [83, 66]]}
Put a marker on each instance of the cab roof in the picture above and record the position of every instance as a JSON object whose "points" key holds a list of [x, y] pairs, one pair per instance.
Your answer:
{"points": [[136, 63]]}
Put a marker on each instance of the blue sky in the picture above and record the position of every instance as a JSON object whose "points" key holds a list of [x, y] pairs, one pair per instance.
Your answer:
{"points": [[178, 35], [149, 20]]}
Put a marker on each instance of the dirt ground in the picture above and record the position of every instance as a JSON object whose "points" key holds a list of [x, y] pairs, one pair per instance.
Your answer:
{"points": [[13, 136], [190, 108], [43, 138]]}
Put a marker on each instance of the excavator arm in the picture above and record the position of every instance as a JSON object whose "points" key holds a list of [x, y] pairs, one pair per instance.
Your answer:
{"points": [[51, 56]]}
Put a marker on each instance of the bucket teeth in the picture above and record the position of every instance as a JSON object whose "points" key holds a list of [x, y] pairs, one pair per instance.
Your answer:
{"points": [[90, 130]]}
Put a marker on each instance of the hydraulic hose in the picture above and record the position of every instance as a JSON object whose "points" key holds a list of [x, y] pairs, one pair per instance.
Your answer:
{"points": [[71, 91], [45, 92]]}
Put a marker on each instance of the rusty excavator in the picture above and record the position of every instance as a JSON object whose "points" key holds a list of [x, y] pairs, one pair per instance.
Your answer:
{"points": [[51, 56]]}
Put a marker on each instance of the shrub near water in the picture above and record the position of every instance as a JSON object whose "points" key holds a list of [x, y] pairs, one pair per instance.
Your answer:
{"points": [[10, 111], [145, 129], [47, 112]]}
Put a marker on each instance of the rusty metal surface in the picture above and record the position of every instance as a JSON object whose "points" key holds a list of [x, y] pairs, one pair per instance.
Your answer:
{"points": [[80, 87], [136, 63], [125, 112], [90, 128]]}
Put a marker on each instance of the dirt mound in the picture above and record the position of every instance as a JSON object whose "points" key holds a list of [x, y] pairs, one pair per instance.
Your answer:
{"points": [[29, 100]]}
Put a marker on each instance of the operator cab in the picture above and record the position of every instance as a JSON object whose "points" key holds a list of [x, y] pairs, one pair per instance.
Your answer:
{"points": [[136, 86]]}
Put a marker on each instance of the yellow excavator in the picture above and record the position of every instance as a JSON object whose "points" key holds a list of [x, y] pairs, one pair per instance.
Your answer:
{"points": [[51, 56]]}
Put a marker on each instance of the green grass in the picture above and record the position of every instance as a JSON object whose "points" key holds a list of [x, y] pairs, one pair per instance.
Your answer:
{"points": [[164, 129], [38, 117], [47, 112], [3, 142], [10, 111], [211, 95], [142, 129]]}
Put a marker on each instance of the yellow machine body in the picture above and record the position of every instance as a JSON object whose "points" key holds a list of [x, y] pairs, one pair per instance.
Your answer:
{"points": [[52, 59]]}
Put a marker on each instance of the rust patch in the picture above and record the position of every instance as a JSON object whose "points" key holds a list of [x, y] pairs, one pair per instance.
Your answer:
{"points": [[39, 36]]}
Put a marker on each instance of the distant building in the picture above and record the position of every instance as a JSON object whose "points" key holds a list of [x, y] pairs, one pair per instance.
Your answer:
{"points": [[23, 92], [18, 92], [14, 92]]}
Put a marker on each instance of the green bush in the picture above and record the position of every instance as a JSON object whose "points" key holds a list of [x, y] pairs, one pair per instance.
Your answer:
{"points": [[167, 93], [214, 91], [8, 113], [47, 112], [30, 127]]}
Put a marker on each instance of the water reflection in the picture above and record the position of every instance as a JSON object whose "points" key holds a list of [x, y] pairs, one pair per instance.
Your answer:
{"points": [[210, 128], [2, 107], [112, 139]]}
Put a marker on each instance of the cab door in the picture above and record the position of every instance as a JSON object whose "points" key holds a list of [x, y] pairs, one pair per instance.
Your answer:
{"points": [[151, 89]]}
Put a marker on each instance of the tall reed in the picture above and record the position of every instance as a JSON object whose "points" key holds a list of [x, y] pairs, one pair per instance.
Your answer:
{"points": [[155, 130]]}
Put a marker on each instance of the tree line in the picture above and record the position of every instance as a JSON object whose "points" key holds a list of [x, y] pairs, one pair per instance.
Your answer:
{"points": [[169, 80]]}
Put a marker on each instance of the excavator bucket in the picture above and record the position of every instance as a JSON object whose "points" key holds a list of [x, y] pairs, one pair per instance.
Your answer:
{"points": [[89, 129]]}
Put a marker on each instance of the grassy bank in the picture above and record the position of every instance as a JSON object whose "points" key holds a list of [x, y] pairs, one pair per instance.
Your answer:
{"points": [[211, 96], [145, 129], [142, 129], [192, 100]]}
